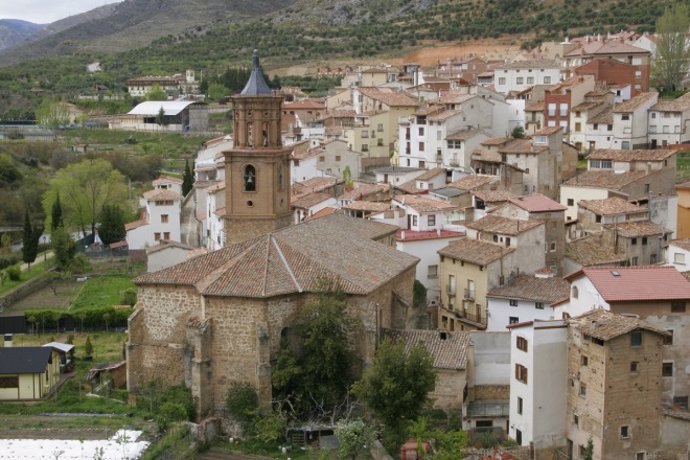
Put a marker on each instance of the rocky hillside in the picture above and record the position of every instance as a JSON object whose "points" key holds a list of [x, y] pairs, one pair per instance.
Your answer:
{"points": [[14, 31]]}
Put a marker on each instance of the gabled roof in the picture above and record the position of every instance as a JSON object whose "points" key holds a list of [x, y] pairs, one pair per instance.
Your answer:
{"points": [[152, 108], [537, 203], [683, 243], [389, 97], [523, 146], [430, 174], [493, 196], [472, 182], [591, 251], [531, 287], [603, 325], [365, 190], [535, 64], [475, 251], [637, 229], [632, 104], [294, 260], [605, 179], [680, 104], [610, 206], [59, 346], [161, 194], [631, 155], [311, 199], [168, 244], [368, 206], [448, 349], [503, 225], [423, 204], [638, 283], [24, 360], [464, 134]]}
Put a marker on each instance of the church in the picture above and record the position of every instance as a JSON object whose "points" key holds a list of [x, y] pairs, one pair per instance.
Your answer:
{"points": [[218, 318]]}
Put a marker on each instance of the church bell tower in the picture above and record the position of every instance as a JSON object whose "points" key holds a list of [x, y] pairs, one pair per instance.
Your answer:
{"points": [[257, 168]]}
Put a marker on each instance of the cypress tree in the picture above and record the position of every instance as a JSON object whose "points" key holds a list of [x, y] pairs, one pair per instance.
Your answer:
{"points": [[56, 214], [187, 179], [30, 240]]}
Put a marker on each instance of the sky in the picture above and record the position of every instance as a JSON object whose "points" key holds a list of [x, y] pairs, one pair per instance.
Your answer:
{"points": [[47, 11]]}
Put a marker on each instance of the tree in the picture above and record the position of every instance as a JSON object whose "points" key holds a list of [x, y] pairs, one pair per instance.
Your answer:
{"points": [[63, 247], [353, 437], [88, 347], [242, 403], [588, 454], [156, 94], [52, 113], [518, 132], [672, 55], [217, 91], [347, 177], [56, 213], [396, 387], [448, 444], [30, 239], [84, 188], [187, 179], [112, 227], [160, 118]]}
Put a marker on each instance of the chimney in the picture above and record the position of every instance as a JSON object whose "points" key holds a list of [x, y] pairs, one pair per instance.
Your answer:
{"points": [[8, 341]]}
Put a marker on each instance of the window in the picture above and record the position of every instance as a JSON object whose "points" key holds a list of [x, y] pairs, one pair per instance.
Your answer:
{"points": [[164, 218], [634, 367], [552, 109], [634, 261], [552, 247], [421, 130], [421, 146], [584, 361], [379, 127], [625, 117], [432, 271], [513, 320], [636, 339], [633, 241], [520, 373], [571, 202], [625, 432], [501, 80], [578, 127], [576, 420], [563, 109], [157, 236], [678, 307], [431, 220], [249, 178], [574, 292], [681, 402], [414, 220], [530, 80], [521, 343], [644, 240], [547, 80], [9, 382], [337, 158], [365, 148], [641, 456], [520, 80], [539, 305], [668, 339], [166, 236], [583, 389], [667, 369], [519, 405], [513, 302]]}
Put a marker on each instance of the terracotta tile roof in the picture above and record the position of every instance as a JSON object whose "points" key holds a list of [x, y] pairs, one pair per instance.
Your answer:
{"points": [[503, 225], [684, 185], [424, 204], [216, 187], [591, 250], [609, 206], [136, 224], [605, 179], [303, 154], [537, 203], [327, 211], [163, 179], [639, 283], [475, 251], [586, 105], [530, 287], [365, 190], [632, 104], [604, 325], [637, 229], [409, 187], [605, 117], [411, 235], [442, 116], [536, 106], [535, 64], [161, 195], [548, 130], [496, 141], [455, 97], [683, 243], [306, 104], [493, 196], [389, 97], [472, 182], [311, 199], [293, 260], [370, 206], [220, 212], [448, 349], [631, 155], [163, 244], [616, 47], [680, 104], [463, 134], [430, 174], [523, 146]]}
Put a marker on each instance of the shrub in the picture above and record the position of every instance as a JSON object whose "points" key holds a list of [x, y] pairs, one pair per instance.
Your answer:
{"points": [[129, 297], [88, 347], [14, 272], [242, 403], [271, 428], [170, 412]]}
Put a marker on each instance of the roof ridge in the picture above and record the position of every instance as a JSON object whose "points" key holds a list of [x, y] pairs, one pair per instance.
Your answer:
{"points": [[287, 265], [212, 277]]}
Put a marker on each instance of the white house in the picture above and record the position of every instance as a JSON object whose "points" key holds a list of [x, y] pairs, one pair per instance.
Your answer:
{"points": [[166, 255], [678, 254], [160, 220], [425, 214], [526, 297], [668, 122], [538, 358], [630, 121], [520, 75]]}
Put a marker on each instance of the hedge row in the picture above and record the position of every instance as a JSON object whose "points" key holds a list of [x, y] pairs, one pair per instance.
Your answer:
{"points": [[92, 318]]}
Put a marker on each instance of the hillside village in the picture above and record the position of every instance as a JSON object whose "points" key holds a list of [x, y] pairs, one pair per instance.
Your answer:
{"points": [[535, 202]]}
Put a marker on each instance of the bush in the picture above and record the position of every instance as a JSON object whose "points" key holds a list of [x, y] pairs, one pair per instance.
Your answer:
{"points": [[242, 403], [14, 273], [170, 412], [8, 261], [129, 297], [271, 428]]}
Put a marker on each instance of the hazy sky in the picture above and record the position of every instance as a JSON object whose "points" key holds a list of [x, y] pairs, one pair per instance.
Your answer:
{"points": [[46, 11]]}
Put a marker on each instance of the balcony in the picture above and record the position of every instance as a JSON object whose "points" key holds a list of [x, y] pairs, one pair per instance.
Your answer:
{"points": [[450, 289], [469, 294]]}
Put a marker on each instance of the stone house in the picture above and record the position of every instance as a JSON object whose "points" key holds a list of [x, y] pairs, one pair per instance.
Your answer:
{"points": [[218, 318], [592, 215]]}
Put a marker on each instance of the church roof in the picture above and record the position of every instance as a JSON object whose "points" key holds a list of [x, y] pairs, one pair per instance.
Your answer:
{"points": [[294, 260], [256, 85]]}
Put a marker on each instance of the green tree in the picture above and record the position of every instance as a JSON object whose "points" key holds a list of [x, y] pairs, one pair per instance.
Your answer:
{"points": [[448, 444], [217, 91], [347, 177], [63, 247], [588, 454], [9, 173], [156, 94], [242, 403], [52, 113], [670, 64], [396, 387], [30, 239], [353, 436], [518, 132], [56, 213], [160, 118], [112, 227], [88, 347], [187, 179], [84, 188]]}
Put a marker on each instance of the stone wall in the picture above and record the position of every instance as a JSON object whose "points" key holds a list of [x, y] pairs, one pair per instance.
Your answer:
{"points": [[448, 391], [23, 290]]}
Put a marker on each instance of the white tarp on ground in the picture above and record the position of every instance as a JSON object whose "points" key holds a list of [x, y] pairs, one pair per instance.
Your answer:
{"points": [[123, 445]]}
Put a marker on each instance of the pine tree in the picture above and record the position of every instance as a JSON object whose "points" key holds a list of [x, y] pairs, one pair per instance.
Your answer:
{"points": [[187, 179], [112, 227], [30, 240], [56, 214]]}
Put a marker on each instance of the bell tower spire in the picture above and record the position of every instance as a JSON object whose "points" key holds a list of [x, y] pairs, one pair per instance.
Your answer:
{"points": [[257, 168]]}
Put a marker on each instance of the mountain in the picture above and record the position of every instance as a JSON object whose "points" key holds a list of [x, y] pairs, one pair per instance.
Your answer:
{"points": [[135, 23], [15, 31]]}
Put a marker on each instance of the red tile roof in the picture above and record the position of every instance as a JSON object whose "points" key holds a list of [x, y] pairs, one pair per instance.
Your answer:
{"points": [[411, 235], [537, 203], [643, 283], [447, 349]]}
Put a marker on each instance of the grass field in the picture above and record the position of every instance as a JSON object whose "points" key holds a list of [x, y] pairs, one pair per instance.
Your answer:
{"points": [[37, 269], [102, 291], [45, 298]]}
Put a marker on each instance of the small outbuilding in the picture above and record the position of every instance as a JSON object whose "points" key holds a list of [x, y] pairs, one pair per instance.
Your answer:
{"points": [[171, 116]]}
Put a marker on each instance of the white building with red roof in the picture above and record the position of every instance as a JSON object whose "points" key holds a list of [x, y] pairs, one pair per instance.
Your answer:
{"points": [[159, 217]]}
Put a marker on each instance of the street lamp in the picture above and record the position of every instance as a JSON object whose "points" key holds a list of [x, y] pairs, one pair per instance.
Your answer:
{"points": [[44, 239]]}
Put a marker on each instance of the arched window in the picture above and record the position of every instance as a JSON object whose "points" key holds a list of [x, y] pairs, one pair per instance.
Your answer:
{"points": [[249, 178], [575, 293]]}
